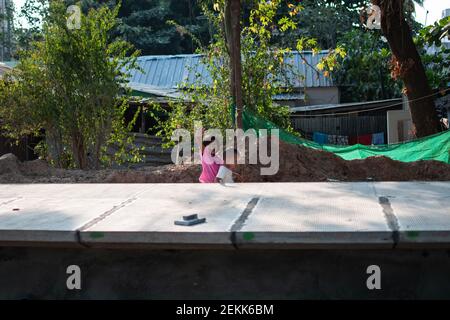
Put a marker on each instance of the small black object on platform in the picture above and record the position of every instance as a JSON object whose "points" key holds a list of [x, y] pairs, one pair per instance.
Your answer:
{"points": [[190, 220]]}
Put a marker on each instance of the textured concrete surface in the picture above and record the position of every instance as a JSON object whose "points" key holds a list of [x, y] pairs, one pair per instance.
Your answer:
{"points": [[150, 219], [422, 210], [53, 213], [317, 214], [284, 215]]}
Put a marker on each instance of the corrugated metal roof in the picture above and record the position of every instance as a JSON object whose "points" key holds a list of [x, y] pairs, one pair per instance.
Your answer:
{"points": [[171, 72], [158, 91], [304, 75], [11, 64], [4, 69]]}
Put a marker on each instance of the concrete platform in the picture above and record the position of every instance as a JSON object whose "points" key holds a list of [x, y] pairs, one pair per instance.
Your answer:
{"points": [[52, 214], [283, 215]]}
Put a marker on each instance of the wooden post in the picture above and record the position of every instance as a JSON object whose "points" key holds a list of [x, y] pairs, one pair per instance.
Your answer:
{"points": [[233, 38], [142, 128]]}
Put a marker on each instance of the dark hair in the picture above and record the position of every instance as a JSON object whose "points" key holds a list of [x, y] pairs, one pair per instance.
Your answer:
{"points": [[207, 143]]}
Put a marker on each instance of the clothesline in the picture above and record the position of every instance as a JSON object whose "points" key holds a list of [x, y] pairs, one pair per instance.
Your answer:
{"points": [[368, 110], [331, 139]]}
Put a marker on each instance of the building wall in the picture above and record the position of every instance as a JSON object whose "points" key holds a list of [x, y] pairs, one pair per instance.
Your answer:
{"points": [[314, 96], [323, 95], [344, 125], [399, 126], [346, 120]]}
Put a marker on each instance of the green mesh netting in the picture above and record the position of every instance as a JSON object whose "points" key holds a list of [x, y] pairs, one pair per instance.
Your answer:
{"points": [[435, 147]]}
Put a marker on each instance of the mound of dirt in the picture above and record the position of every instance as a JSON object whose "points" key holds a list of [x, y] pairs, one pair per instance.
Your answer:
{"points": [[35, 168], [9, 164], [163, 174], [297, 164], [301, 164]]}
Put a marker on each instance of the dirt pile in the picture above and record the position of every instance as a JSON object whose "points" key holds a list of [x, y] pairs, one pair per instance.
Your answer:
{"points": [[163, 174], [35, 168], [9, 164], [301, 164], [297, 164], [39, 171]]}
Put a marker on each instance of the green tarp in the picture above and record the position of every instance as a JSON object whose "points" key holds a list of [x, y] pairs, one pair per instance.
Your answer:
{"points": [[436, 147]]}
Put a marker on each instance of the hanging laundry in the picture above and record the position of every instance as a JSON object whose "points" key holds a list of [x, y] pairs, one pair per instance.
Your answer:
{"points": [[342, 140], [365, 139], [320, 138], [332, 139], [378, 138]]}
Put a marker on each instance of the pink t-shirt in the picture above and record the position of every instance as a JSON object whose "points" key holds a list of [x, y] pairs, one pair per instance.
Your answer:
{"points": [[210, 166]]}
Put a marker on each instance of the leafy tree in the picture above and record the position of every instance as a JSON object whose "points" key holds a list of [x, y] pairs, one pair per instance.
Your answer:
{"points": [[364, 74], [144, 24], [324, 20], [434, 34], [69, 85], [264, 68], [33, 12], [437, 62]]}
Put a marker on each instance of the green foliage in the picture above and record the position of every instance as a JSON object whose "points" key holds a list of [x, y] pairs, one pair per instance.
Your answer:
{"points": [[365, 71], [144, 24], [264, 65], [141, 22], [434, 34], [324, 20], [437, 63], [363, 59], [70, 84], [264, 68]]}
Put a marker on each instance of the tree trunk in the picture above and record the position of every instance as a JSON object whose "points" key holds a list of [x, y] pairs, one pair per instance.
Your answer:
{"points": [[54, 146], [233, 38], [229, 43], [78, 151], [408, 67]]}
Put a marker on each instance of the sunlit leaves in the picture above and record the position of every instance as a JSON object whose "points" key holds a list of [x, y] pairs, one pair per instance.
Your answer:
{"points": [[435, 33]]}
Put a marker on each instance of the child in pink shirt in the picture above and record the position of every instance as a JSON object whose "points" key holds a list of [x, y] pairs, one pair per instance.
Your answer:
{"points": [[210, 163]]}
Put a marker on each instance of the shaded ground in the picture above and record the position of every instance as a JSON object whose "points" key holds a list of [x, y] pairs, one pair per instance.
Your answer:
{"points": [[297, 164], [40, 273]]}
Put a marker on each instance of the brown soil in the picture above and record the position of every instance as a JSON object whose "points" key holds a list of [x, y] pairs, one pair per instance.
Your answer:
{"points": [[297, 164], [301, 164]]}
